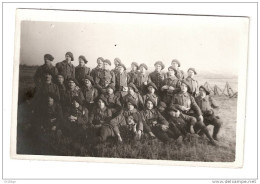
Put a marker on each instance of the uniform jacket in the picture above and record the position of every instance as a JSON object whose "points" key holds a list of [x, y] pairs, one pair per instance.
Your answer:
{"points": [[120, 80], [45, 88], [152, 96], [69, 96], [81, 72], [131, 76], [95, 73], [90, 94], [179, 74], [81, 113], [139, 81], [193, 84], [113, 100], [157, 78], [39, 75], [105, 75], [187, 100], [153, 115], [206, 104], [137, 98], [100, 116], [68, 70], [136, 117]]}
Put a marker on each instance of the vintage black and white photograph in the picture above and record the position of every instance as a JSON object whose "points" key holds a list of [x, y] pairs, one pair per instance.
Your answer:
{"points": [[129, 86]]}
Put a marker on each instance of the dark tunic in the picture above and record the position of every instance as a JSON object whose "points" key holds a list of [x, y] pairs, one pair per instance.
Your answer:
{"points": [[131, 76], [81, 72], [67, 70], [157, 78], [39, 74], [193, 84], [139, 82], [136, 97], [120, 80]]}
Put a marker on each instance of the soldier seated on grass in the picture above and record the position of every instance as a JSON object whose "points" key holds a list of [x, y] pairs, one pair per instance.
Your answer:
{"points": [[102, 123], [185, 103], [154, 123], [206, 103], [133, 94], [75, 123], [81, 70]]}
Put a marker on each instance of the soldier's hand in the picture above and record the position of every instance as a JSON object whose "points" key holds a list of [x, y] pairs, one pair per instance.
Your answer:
{"points": [[53, 128], [164, 127], [200, 118]]}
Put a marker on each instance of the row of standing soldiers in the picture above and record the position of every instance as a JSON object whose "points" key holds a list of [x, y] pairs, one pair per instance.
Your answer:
{"points": [[77, 101]]}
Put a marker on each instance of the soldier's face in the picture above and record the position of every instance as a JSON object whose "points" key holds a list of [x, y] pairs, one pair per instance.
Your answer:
{"points": [[101, 104], [48, 78], [134, 67], [110, 91], [106, 65], [87, 82], [100, 63], [47, 62], [50, 101], [184, 88], [116, 64], [131, 91], [151, 89], [120, 69], [81, 62], [158, 67], [68, 58], [170, 73], [142, 69], [175, 65], [149, 105], [202, 92], [130, 106], [75, 104], [191, 73], [71, 84], [60, 79]]}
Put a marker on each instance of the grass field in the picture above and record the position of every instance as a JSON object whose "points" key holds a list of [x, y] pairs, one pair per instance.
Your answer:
{"points": [[194, 149]]}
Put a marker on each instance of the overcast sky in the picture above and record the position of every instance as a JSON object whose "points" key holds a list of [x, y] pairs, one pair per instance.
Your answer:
{"points": [[205, 43]]}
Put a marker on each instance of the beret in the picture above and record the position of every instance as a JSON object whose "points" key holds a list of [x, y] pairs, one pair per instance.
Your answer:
{"points": [[202, 87], [187, 84], [71, 55], [122, 65], [131, 85], [193, 69], [170, 67], [117, 60], [135, 63], [132, 101], [176, 61], [74, 80], [162, 104], [88, 77], [151, 100], [100, 58], [77, 99], [159, 63], [107, 61], [143, 65], [60, 74], [103, 99], [111, 86], [83, 58], [49, 57], [151, 84]]}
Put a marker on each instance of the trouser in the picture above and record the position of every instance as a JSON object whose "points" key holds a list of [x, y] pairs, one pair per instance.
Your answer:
{"points": [[215, 121], [162, 135], [90, 107], [104, 132], [178, 126]]}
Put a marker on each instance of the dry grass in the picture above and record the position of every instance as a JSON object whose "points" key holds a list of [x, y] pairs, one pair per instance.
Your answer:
{"points": [[194, 149]]}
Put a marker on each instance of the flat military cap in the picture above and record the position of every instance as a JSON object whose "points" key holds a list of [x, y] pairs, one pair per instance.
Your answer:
{"points": [[193, 69], [176, 61], [77, 99], [135, 63], [47, 73], [117, 60], [151, 84], [83, 58], [70, 55], [162, 104], [131, 101], [144, 66], [131, 85], [74, 80], [151, 100], [88, 77], [202, 87], [107, 61], [187, 84], [111, 86], [121, 65], [49, 57], [60, 74], [159, 63]]}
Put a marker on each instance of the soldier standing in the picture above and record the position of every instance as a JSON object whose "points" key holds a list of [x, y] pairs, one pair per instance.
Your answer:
{"points": [[133, 73], [142, 78], [95, 73], [157, 76], [65, 67], [105, 75], [176, 65], [193, 83], [120, 77], [81, 70]]}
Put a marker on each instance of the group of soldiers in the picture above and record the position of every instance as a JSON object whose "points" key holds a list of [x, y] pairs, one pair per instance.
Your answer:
{"points": [[77, 101]]}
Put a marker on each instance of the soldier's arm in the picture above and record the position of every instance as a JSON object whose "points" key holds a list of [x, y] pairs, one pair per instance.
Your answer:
{"points": [[162, 120], [195, 106], [213, 103]]}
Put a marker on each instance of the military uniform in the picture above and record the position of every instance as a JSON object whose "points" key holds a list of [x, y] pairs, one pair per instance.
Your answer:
{"points": [[106, 76], [168, 94], [69, 97], [81, 72], [90, 94], [136, 97], [131, 76], [120, 80], [154, 97], [66, 69], [157, 78], [139, 82], [194, 85], [179, 74], [95, 73], [41, 70], [206, 104]]}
